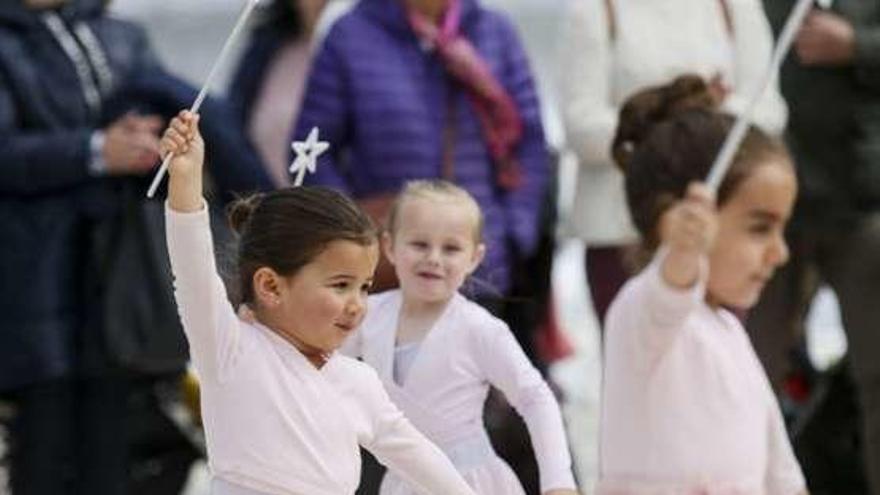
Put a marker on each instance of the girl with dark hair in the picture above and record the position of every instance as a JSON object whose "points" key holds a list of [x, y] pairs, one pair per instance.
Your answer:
{"points": [[687, 407], [282, 412]]}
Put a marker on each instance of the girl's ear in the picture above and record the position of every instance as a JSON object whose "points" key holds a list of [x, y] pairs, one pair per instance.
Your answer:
{"points": [[388, 246], [479, 254], [267, 287]]}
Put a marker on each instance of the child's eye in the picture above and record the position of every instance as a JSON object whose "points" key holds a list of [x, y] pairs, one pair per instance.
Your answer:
{"points": [[341, 285], [366, 287], [452, 248], [418, 244], [760, 228]]}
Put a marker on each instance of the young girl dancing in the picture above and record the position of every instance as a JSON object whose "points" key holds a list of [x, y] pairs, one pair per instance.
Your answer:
{"points": [[687, 407], [438, 352], [284, 414]]}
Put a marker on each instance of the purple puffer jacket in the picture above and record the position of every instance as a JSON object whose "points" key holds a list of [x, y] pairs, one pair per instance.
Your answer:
{"points": [[380, 99]]}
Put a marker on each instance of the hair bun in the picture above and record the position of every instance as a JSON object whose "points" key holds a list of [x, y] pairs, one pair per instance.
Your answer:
{"points": [[239, 211], [645, 109]]}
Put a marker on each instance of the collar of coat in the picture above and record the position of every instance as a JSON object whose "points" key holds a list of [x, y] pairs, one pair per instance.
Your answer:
{"points": [[392, 15], [13, 12]]}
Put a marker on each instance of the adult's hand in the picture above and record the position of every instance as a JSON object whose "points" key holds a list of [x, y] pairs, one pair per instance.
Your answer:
{"points": [[131, 144], [825, 39]]}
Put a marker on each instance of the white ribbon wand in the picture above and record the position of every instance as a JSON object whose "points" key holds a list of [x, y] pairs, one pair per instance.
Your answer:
{"points": [[224, 52], [738, 132]]}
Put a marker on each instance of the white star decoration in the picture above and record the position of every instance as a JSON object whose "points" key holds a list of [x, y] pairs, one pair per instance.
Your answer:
{"points": [[307, 153]]}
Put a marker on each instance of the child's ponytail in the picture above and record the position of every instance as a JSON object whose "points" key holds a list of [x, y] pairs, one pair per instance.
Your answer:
{"points": [[239, 212], [644, 110]]}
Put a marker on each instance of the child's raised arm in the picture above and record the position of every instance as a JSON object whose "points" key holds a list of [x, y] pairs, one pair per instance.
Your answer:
{"points": [[688, 230], [209, 321], [182, 138]]}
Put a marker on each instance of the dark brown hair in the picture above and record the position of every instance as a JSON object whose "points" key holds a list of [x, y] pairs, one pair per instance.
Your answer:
{"points": [[285, 229], [667, 137]]}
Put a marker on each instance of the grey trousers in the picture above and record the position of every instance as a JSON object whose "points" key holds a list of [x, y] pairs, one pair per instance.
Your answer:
{"points": [[847, 258]]}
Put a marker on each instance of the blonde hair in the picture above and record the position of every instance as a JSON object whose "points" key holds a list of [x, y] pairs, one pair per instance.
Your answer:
{"points": [[434, 190]]}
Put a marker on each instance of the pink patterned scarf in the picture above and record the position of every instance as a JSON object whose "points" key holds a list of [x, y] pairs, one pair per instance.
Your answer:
{"points": [[498, 113]]}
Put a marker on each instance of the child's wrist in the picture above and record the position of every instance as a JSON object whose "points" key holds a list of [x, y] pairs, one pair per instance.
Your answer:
{"points": [[186, 205], [681, 268], [186, 173]]}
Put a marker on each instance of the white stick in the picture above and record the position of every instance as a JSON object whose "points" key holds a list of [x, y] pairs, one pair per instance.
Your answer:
{"points": [[300, 177], [741, 126], [224, 52]]}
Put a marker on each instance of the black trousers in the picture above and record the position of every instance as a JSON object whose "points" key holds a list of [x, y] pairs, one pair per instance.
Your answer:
{"points": [[69, 437]]}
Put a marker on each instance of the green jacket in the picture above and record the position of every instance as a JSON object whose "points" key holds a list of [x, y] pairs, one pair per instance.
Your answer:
{"points": [[834, 120]]}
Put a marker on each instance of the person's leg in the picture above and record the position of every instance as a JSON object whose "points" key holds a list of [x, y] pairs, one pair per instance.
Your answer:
{"points": [[852, 264], [103, 435], [41, 437], [606, 274]]}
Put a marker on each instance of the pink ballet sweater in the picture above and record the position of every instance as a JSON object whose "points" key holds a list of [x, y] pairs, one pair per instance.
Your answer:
{"points": [[687, 406]]}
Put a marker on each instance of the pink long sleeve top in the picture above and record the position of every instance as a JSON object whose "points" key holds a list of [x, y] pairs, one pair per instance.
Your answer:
{"points": [[274, 423], [687, 406]]}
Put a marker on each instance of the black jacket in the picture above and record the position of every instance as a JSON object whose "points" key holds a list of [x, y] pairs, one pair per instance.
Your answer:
{"points": [[50, 204], [834, 120]]}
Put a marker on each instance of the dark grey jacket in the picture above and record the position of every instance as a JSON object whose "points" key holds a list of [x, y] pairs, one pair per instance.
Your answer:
{"points": [[834, 119], [52, 211]]}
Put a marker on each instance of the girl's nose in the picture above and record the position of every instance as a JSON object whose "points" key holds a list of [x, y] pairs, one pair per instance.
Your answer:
{"points": [[434, 255], [357, 304], [779, 252]]}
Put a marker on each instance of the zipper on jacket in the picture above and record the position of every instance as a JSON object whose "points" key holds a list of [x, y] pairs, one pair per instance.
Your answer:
{"points": [[89, 59]]}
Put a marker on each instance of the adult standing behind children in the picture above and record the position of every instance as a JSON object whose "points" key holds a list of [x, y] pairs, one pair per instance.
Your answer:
{"points": [[60, 63], [687, 407], [613, 48], [415, 89], [832, 83]]}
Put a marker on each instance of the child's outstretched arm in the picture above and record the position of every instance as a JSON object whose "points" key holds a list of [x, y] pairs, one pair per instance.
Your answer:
{"points": [[688, 231], [182, 138], [397, 444], [507, 368]]}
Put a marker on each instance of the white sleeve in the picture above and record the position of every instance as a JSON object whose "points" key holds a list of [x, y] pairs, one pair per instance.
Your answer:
{"points": [[507, 368], [648, 314], [753, 48], [209, 321], [397, 444], [589, 116]]}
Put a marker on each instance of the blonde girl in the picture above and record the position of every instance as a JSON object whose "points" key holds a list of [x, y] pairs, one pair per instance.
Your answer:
{"points": [[438, 353]]}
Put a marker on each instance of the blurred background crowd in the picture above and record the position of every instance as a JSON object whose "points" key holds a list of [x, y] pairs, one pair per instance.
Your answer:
{"points": [[95, 396]]}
